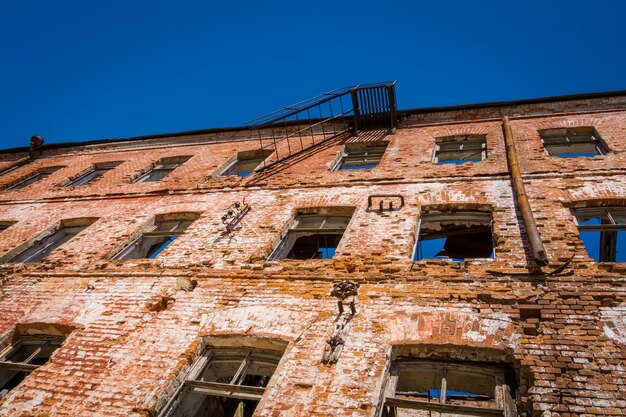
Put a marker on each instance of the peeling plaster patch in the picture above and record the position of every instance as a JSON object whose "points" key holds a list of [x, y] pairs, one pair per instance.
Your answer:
{"points": [[442, 326], [614, 319], [257, 320]]}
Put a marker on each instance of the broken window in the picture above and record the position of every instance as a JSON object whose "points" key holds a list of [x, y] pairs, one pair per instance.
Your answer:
{"points": [[419, 388], [93, 173], [162, 169], [454, 235], [23, 357], [312, 236], [52, 239], [157, 237], [365, 155], [224, 383], [39, 175], [245, 162], [460, 148], [603, 231], [573, 142]]}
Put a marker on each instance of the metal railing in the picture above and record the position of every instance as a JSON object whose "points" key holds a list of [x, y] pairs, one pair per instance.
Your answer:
{"points": [[299, 127]]}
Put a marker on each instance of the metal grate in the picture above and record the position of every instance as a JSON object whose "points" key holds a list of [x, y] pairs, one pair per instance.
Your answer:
{"points": [[299, 127]]}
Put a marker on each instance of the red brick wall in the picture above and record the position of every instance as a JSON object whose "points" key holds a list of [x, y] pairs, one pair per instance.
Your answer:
{"points": [[126, 355]]}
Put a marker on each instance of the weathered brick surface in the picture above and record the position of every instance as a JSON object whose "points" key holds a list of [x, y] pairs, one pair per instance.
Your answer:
{"points": [[136, 332]]}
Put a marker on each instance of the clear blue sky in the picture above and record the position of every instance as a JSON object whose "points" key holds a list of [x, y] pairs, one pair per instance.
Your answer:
{"points": [[80, 70]]}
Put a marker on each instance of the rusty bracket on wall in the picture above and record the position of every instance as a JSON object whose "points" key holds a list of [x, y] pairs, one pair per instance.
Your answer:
{"points": [[334, 345], [235, 213], [385, 202]]}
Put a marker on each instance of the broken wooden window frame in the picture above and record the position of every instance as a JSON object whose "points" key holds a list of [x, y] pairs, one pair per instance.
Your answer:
{"points": [[585, 139], [162, 231], [34, 177], [161, 169], [250, 159], [10, 368], [296, 231], [480, 219], [93, 173], [463, 148], [360, 155], [500, 403], [612, 222], [194, 382], [40, 247]]}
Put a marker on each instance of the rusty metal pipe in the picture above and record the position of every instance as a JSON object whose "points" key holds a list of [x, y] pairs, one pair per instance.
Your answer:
{"points": [[539, 252]]}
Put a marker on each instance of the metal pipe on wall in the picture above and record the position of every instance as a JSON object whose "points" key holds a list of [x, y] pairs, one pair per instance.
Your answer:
{"points": [[539, 252]]}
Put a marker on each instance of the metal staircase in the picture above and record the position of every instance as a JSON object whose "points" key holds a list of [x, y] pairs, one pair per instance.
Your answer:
{"points": [[299, 127]]}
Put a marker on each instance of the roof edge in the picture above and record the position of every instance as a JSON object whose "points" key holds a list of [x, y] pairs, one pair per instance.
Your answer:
{"points": [[401, 113]]}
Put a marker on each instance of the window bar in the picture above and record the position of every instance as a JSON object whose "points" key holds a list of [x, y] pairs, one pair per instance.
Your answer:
{"points": [[260, 142], [241, 372], [36, 352]]}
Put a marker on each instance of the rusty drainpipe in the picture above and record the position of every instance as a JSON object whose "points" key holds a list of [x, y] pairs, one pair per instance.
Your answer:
{"points": [[536, 245], [36, 142]]}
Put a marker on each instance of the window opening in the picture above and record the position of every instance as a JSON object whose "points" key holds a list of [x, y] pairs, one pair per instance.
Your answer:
{"points": [[573, 142], [36, 177], [446, 388], [23, 357], [94, 173], [246, 162], [603, 231], [162, 169], [153, 241], [43, 246], [5, 225], [224, 383], [456, 236], [312, 236], [460, 149], [360, 155]]}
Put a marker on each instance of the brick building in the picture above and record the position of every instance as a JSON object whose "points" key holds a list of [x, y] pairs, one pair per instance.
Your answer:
{"points": [[373, 271]]}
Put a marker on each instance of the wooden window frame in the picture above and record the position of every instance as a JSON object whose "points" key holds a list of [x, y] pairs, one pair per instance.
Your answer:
{"points": [[166, 165], [475, 144], [293, 232], [608, 230], [360, 153], [178, 228], [569, 137], [234, 389], [460, 216], [502, 400]]}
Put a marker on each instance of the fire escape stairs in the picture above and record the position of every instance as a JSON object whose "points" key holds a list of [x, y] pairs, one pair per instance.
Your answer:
{"points": [[295, 129]]}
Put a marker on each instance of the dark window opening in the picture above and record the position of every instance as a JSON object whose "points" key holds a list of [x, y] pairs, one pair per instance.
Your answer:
{"points": [[446, 388], [360, 155], [24, 356], [162, 169], [312, 236], [94, 173], [246, 162], [460, 149], [36, 177], [158, 237], [603, 232], [573, 142], [224, 383], [5, 225], [456, 236], [43, 246]]}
